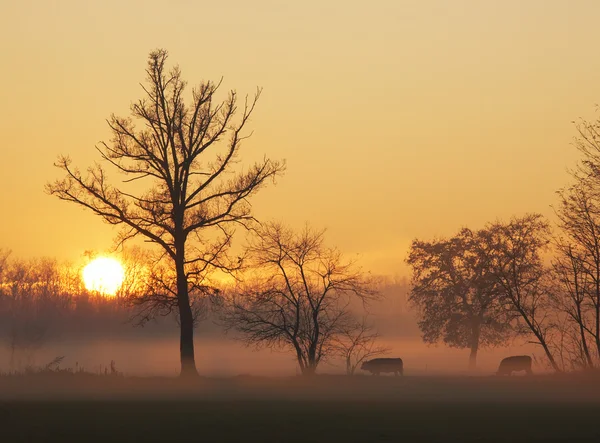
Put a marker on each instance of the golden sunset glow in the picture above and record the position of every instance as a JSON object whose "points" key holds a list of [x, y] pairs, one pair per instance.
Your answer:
{"points": [[442, 108], [104, 275], [248, 219]]}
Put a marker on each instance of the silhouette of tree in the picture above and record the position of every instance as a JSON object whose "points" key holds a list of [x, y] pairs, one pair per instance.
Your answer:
{"points": [[571, 298], [456, 296], [578, 249], [298, 297], [184, 156], [357, 342], [577, 262], [515, 261]]}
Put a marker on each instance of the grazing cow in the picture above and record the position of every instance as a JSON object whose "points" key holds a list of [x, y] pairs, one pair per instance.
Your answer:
{"points": [[379, 365], [514, 364]]}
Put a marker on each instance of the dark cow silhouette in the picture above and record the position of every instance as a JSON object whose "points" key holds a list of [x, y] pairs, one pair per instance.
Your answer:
{"points": [[379, 365], [514, 364]]}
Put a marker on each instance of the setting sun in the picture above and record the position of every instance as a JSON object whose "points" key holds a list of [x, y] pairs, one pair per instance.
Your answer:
{"points": [[104, 275]]}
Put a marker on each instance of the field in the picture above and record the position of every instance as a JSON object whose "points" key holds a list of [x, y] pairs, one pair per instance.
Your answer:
{"points": [[323, 409]]}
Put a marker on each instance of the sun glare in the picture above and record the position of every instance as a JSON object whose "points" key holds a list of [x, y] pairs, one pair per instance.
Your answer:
{"points": [[104, 275]]}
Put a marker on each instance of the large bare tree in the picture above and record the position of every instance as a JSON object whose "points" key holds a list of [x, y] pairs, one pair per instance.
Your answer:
{"points": [[457, 298], [181, 182], [298, 297]]}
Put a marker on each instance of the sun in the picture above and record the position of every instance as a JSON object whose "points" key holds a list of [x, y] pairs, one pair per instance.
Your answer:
{"points": [[104, 275]]}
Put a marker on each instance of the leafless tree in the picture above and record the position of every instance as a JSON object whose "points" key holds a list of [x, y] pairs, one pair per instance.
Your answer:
{"points": [[357, 342], [515, 262], [572, 298], [577, 263], [457, 299], [182, 158], [298, 297]]}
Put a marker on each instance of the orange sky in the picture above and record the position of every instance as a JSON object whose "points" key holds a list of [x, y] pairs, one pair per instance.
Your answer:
{"points": [[398, 119]]}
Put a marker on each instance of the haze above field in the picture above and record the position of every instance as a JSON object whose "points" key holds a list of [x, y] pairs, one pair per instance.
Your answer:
{"points": [[397, 119]]}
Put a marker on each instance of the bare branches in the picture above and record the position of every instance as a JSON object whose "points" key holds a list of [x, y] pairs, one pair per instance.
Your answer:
{"points": [[186, 155], [577, 265], [299, 296]]}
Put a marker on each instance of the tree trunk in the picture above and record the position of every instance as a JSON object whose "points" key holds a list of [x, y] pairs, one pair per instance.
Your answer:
{"points": [[299, 355], [186, 340], [586, 352], [475, 332], [312, 363], [312, 349], [473, 357], [549, 354], [538, 333], [310, 369], [186, 320]]}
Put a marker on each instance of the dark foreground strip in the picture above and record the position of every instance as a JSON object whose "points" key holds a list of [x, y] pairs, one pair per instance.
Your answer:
{"points": [[293, 421]]}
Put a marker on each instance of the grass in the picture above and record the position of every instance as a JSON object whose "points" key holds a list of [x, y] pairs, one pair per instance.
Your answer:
{"points": [[322, 409]]}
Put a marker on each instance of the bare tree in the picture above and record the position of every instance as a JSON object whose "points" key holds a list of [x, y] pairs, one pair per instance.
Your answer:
{"points": [[357, 342], [572, 298], [578, 260], [184, 156], [298, 298], [457, 299], [516, 264]]}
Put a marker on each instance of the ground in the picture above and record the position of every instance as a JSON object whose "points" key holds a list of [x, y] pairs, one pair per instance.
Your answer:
{"points": [[322, 409]]}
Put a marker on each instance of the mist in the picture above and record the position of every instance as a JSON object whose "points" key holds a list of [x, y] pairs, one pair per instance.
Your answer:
{"points": [[90, 342]]}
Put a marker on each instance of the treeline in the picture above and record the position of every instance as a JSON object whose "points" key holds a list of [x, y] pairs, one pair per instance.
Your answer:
{"points": [[43, 301], [525, 277]]}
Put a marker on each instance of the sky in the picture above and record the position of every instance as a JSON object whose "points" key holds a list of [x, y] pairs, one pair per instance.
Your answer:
{"points": [[398, 119]]}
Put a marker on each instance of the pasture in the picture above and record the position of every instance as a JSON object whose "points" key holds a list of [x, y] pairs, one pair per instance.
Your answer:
{"points": [[320, 409]]}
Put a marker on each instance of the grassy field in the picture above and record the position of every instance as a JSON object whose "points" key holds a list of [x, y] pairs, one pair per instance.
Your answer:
{"points": [[323, 409]]}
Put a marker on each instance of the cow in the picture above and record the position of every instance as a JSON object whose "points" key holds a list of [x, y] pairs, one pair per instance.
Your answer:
{"points": [[379, 365], [514, 364]]}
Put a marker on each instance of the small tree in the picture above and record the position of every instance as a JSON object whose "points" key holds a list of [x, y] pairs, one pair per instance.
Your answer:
{"points": [[357, 343], [298, 297], [457, 298], [184, 157]]}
